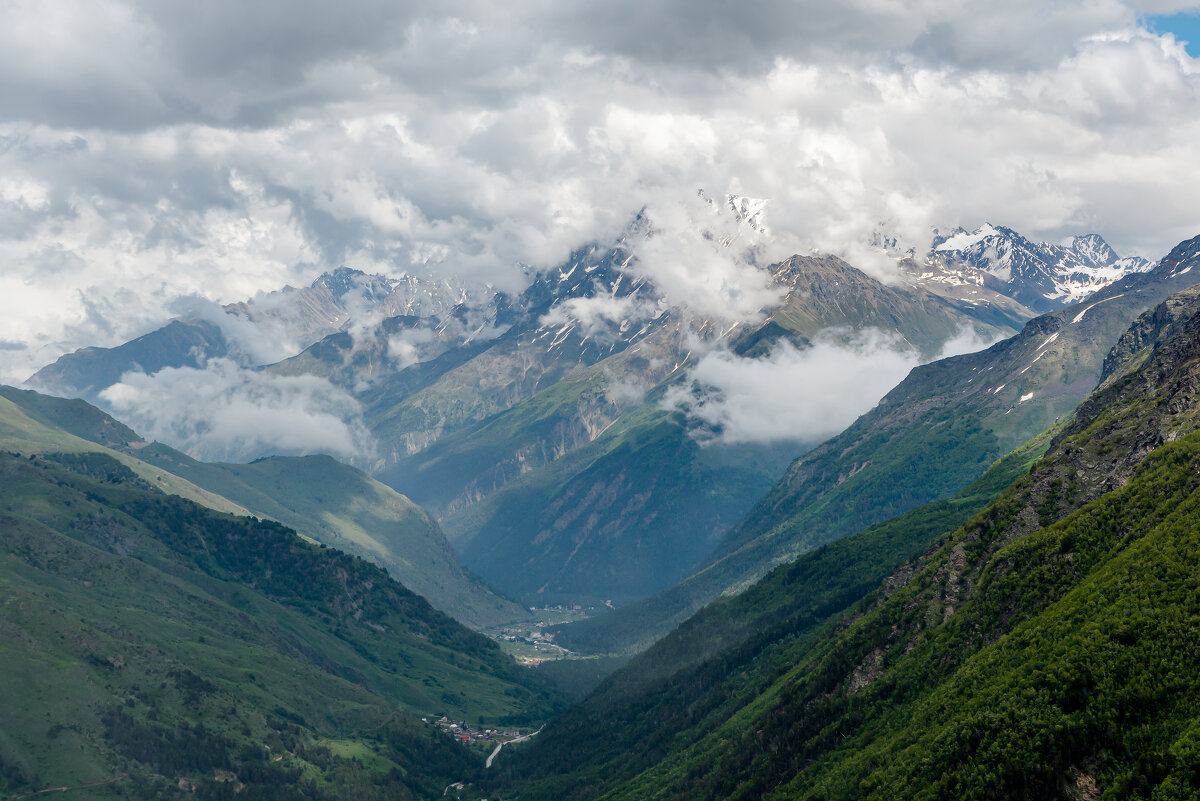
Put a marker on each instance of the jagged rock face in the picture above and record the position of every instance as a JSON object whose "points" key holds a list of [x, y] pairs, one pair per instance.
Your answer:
{"points": [[1039, 275], [1160, 323], [1147, 332], [335, 299]]}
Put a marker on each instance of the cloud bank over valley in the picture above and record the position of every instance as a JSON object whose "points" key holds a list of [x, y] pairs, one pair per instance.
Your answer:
{"points": [[151, 152], [159, 160]]}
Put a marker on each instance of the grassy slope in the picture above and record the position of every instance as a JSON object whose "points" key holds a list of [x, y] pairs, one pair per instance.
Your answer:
{"points": [[321, 498], [130, 618], [25, 432], [344, 508]]}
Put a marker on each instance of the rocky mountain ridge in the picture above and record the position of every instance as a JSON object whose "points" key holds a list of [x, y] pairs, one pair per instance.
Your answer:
{"points": [[1038, 275], [477, 399]]}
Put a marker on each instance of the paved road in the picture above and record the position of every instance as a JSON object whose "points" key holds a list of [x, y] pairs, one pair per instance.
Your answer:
{"points": [[520, 739]]}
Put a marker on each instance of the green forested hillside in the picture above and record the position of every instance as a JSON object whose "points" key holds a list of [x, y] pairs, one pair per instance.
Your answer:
{"points": [[152, 641], [734, 648], [321, 498], [1043, 650], [1067, 668]]}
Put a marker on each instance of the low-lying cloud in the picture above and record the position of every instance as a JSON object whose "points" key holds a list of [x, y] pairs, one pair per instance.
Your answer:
{"points": [[406, 348], [802, 395], [704, 258], [626, 393], [602, 316], [254, 342], [967, 340], [226, 412]]}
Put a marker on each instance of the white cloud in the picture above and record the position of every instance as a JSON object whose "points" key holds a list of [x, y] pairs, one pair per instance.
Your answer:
{"points": [[227, 412], [154, 151], [791, 394], [966, 340], [626, 393], [698, 256], [405, 347], [257, 342], [600, 317]]}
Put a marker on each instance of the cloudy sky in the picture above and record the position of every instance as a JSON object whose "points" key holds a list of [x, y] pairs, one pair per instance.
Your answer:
{"points": [[153, 150]]}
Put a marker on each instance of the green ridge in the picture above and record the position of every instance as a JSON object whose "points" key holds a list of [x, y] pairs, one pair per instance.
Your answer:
{"points": [[147, 637], [29, 432]]}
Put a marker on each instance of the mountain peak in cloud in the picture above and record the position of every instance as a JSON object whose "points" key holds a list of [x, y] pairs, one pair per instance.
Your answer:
{"points": [[252, 149], [346, 279]]}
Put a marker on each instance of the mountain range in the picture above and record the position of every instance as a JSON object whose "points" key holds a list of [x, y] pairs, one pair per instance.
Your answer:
{"points": [[543, 431], [1029, 637], [932, 435], [1038, 275], [984, 587]]}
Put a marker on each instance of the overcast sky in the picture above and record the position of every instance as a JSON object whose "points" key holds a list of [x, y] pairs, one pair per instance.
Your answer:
{"points": [[151, 150]]}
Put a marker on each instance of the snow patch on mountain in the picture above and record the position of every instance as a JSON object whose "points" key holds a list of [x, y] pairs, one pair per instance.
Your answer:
{"points": [[1040, 275], [964, 240]]}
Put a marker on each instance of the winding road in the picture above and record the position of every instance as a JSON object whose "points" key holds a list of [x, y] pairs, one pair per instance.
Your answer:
{"points": [[520, 739]]}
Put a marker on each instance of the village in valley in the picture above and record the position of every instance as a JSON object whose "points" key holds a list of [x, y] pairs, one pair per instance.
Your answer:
{"points": [[464, 732], [531, 643]]}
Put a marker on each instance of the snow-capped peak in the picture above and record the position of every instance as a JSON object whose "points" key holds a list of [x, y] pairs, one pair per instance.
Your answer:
{"points": [[738, 216], [963, 239], [1040, 275], [750, 210], [1092, 248]]}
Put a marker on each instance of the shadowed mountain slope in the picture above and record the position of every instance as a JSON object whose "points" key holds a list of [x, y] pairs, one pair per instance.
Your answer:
{"points": [[1040, 650]]}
